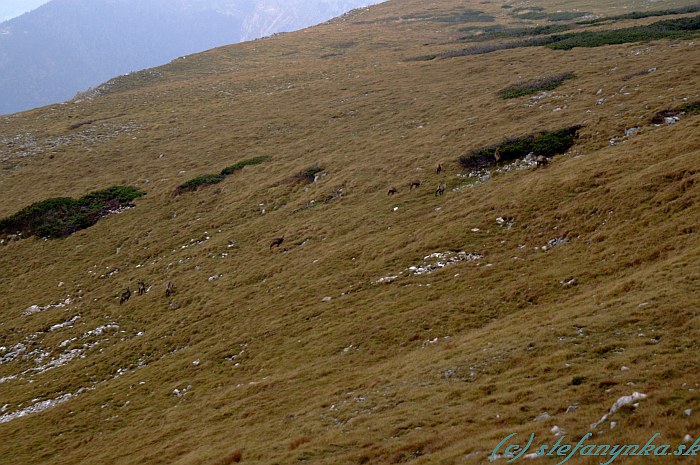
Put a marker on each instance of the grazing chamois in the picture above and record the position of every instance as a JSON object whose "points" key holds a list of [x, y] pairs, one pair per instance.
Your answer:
{"points": [[277, 241], [392, 191], [438, 168], [497, 155], [440, 189], [169, 289], [415, 184], [125, 296], [541, 160], [142, 287]]}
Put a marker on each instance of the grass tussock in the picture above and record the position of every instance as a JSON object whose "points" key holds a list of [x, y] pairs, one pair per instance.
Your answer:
{"points": [[530, 87], [547, 143], [62, 216], [211, 179]]}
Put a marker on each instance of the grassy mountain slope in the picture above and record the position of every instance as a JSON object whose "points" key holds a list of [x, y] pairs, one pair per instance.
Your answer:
{"points": [[590, 295]]}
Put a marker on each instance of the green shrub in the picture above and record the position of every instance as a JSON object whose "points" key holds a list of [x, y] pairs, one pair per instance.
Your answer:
{"points": [[62, 216], [530, 87], [241, 164], [502, 32], [209, 179], [644, 14], [690, 108], [309, 175], [682, 28], [558, 16], [547, 143], [195, 183]]}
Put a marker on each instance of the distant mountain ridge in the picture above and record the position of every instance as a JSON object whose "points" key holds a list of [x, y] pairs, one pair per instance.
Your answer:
{"points": [[66, 46], [12, 8]]}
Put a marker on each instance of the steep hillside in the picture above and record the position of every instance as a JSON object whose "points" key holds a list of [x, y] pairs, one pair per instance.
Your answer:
{"points": [[67, 46], [409, 328]]}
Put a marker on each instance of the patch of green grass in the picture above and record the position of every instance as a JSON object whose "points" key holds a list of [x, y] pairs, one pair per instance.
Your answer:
{"points": [[530, 87], [62, 216], [547, 143]]}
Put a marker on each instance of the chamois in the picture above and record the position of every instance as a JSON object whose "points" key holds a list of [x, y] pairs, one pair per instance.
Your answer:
{"points": [[440, 189], [169, 289], [125, 296], [415, 184], [392, 191], [277, 241], [541, 160], [142, 287], [438, 168]]}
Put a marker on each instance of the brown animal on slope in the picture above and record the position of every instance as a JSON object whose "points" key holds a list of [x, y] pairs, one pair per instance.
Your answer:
{"points": [[142, 287], [169, 289], [125, 296], [541, 160], [393, 191], [415, 184], [440, 189], [277, 241], [438, 168]]}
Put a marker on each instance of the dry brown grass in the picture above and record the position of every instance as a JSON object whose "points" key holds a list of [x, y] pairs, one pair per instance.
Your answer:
{"points": [[427, 369]]}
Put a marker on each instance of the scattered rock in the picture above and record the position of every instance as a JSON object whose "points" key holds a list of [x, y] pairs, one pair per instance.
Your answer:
{"points": [[182, 392], [632, 131], [543, 416], [621, 402]]}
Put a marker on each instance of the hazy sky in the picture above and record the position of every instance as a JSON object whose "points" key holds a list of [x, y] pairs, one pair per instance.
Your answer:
{"points": [[11, 8]]}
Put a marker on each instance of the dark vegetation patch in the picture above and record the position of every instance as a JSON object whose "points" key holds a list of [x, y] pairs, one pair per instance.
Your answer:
{"points": [[210, 179], [304, 177], [547, 143], [690, 108], [530, 87], [540, 14], [644, 14], [681, 28], [461, 16], [501, 32], [643, 72], [81, 124], [62, 216]]}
